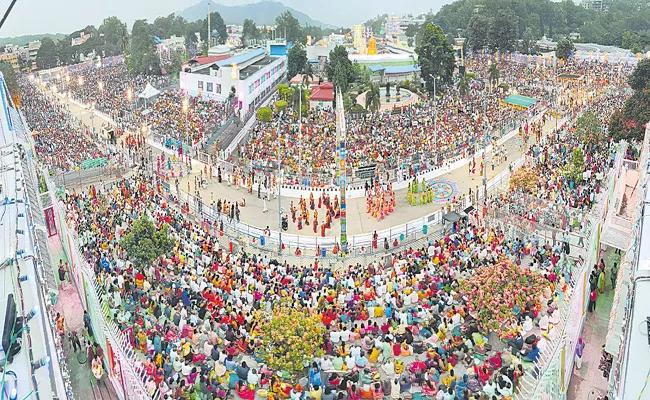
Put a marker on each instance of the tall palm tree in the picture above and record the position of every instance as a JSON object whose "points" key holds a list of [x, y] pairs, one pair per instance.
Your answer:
{"points": [[463, 86], [373, 101], [494, 74], [307, 75]]}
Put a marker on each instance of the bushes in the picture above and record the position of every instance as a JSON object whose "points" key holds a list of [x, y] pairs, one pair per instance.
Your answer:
{"points": [[265, 114], [280, 105]]}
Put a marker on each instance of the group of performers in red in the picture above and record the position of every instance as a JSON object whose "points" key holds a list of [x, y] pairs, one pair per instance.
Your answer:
{"points": [[380, 201], [301, 214]]}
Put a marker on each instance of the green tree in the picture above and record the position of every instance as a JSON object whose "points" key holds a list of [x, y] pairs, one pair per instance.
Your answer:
{"points": [[11, 81], [373, 100], [528, 45], [218, 30], [477, 32], [589, 130], [435, 57], [165, 27], [307, 75], [47, 57], [249, 31], [191, 41], [280, 106], [292, 337], [264, 114], [145, 242], [289, 26], [296, 60], [340, 70], [503, 31], [114, 35], [142, 57], [65, 53], [494, 74], [630, 123], [632, 41], [177, 59], [285, 92], [564, 49], [463, 86], [573, 171], [412, 30], [640, 77]]}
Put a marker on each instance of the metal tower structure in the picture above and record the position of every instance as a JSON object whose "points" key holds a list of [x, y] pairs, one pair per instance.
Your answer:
{"points": [[341, 155]]}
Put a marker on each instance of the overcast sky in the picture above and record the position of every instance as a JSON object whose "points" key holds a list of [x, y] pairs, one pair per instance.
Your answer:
{"points": [[66, 16]]}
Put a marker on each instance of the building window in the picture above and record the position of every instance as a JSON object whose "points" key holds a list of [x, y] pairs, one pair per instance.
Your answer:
{"points": [[200, 83], [251, 87], [218, 88], [209, 86]]}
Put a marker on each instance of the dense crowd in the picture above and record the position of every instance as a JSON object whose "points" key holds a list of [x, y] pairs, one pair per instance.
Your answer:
{"points": [[114, 91], [384, 139], [390, 329], [61, 142], [167, 117], [108, 87], [556, 199], [192, 310]]}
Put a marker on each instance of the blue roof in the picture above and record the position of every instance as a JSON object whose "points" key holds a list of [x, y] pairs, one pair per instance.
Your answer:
{"points": [[313, 60], [403, 69], [241, 58], [375, 68]]}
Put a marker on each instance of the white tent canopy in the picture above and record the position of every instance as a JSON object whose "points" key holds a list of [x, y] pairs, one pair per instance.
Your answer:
{"points": [[149, 92]]}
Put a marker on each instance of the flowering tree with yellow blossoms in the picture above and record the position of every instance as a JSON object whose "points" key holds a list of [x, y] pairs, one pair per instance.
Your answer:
{"points": [[524, 180], [291, 338]]}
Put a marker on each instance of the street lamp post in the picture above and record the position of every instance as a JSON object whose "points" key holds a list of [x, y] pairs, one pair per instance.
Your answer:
{"points": [[279, 188], [435, 117], [129, 96], [300, 130], [186, 109], [92, 115]]}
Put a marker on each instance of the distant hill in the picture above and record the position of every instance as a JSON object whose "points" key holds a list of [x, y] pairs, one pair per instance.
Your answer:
{"points": [[24, 39], [263, 13]]}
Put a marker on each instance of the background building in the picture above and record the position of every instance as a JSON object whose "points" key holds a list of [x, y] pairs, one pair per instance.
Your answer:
{"points": [[252, 74], [359, 38], [598, 5], [12, 59]]}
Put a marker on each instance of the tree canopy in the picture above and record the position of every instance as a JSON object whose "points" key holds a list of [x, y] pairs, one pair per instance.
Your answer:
{"points": [[589, 129], [296, 60], [564, 48], [11, 81], [115, 37], [630, 122], [145, 242], [143, 58], [47, 56], [250, 31], [291, 337], [435, 57], [218, 30], [340, 70], [287, 23]]}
